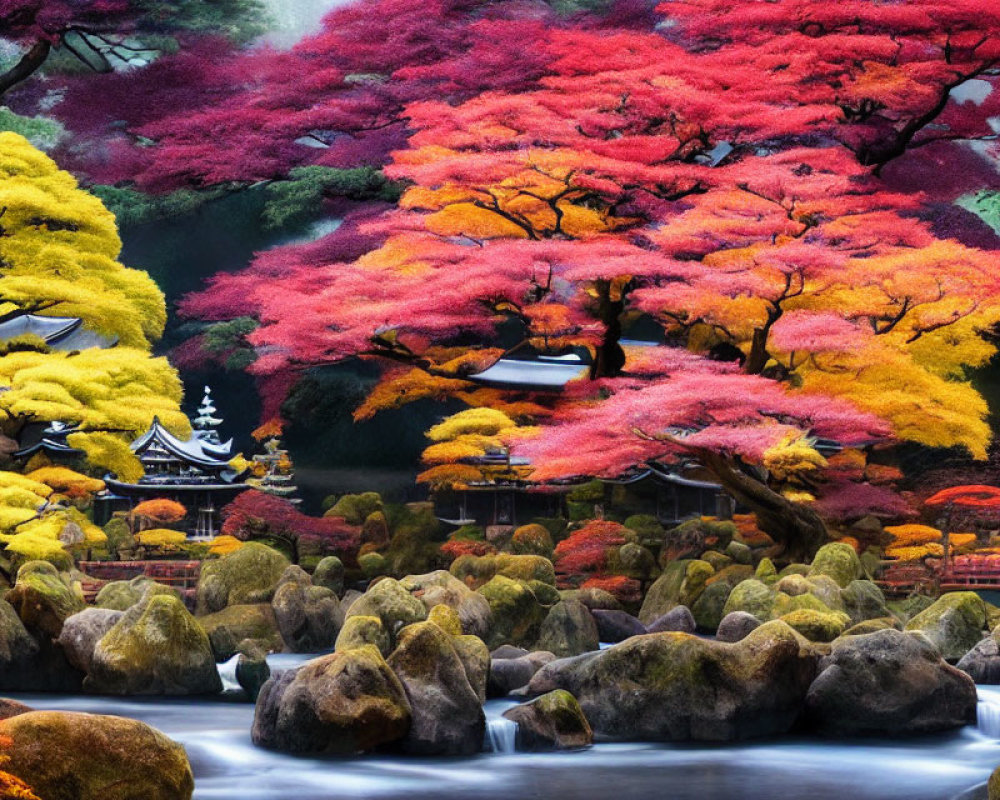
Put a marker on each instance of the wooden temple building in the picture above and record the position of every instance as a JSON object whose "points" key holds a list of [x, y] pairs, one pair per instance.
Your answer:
{"points": [[194, 472]]}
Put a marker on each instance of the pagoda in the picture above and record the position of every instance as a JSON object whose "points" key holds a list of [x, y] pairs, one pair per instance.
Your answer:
{"points": [[194, 471], [272, 471]]}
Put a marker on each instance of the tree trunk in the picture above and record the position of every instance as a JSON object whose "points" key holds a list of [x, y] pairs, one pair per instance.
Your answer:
{"points": [[26, 67], [795, 527], [609, 358]]}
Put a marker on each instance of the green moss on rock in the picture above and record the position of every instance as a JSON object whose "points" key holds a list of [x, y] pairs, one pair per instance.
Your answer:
{"points": [[248, 575], [839, 561], [817, 626]]}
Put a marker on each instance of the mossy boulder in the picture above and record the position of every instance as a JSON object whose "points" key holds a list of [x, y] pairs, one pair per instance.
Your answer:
{"points": [[526, 568], [954, 623], [447, 714], [678, 687], [665, 592], [446, 618], [70, 756], [373, 565], [248, 575], [18, 651], [906, 609], [888, 683], [339, 704], [740, 553], [839, 561], [390, 601], [356, 508], [873, 625], [709, 608], [993, 785], [635, 561], [786, 604], [592, 598], [553, 721], [532, 540], [120, 539], [414, 546], [359, 631], [82, 631], [329, 574], [443, 588], [252, 670], [753, 597], [42, 599], [568, 630], [375, 531], [545, 593], [863, 600], [309, 617], [475, 656], [515, 612], [648, 529], [695, 536], [817, 626], [766, 572], [732, 575], [156, 647], [226, 629], [122, 595]]}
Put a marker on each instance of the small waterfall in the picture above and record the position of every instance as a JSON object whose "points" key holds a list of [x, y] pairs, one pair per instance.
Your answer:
{"points": [[227, 671], [501, 736], [988, 711]]}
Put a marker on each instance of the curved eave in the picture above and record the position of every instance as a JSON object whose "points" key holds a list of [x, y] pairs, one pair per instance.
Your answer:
{"points": [[167, 488]]}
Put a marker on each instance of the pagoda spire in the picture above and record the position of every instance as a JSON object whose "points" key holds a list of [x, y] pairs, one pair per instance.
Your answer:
{"points": [[206, 423]]}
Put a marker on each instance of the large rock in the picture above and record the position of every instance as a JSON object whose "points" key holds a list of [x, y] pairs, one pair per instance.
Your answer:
{"points": [[475, 656], [817, 626], [309, 617], [446, 711], [708, 609], [516, 614], [982, 662], [553, 721], [329, 573], [508, 674], [390, 601], [888, 683], [864, 600], [42, 600], [157, 647], [839, 561], [616, 626], [361, 630], [736, 626], [677, 687], [592, 598], [252, 670], [71, 756], [227, 628], [18, 651], [680, 584], [568, 630], [752, 596], [954, 623], [443, 588], [248, 575], [81, 633], [343, 703], [122, 595], [678, 619]]}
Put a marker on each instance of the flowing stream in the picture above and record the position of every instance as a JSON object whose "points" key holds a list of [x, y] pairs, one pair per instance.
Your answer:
{"points": [[216, 733]]}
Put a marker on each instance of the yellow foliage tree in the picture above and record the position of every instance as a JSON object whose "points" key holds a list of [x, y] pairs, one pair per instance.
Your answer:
{"points": [[469, 448], [914, 542], [58, 251]]}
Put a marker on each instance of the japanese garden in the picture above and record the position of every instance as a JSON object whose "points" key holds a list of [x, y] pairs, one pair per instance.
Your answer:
{"points": [[491, 398]]}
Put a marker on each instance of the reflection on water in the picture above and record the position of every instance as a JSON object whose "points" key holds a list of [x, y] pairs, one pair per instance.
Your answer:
{"points": [[216, 734]]}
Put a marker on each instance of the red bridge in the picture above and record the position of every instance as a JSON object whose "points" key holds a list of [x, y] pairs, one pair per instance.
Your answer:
{"points": [[962, 573], [181, 575]]}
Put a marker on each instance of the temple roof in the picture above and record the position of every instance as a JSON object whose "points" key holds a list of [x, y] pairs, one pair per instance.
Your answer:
{"points": [[59, 333], [541, 372], [194, 450], [53, 440]]}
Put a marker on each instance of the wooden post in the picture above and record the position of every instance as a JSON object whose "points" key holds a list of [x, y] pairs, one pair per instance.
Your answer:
{"points": [[946, 537]]}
